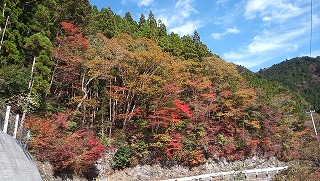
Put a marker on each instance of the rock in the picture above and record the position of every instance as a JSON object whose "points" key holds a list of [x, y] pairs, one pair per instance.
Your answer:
{"points": [[159, 172]]}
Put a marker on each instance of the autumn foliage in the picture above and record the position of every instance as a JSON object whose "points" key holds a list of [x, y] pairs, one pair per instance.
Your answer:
{"points": [[67, 151], [154, 107], [131, 89]]}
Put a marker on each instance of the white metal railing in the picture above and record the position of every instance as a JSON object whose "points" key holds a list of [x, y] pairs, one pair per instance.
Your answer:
{"points": [[219, 174], [9, 124], [6, 122]]}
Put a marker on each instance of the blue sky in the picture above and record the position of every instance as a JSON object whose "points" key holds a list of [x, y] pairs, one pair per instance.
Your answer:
{"points": [[252, 33]]}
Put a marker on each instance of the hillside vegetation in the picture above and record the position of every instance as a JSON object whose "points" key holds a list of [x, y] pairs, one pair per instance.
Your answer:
{"points": [[301, 74], [92, 82]]}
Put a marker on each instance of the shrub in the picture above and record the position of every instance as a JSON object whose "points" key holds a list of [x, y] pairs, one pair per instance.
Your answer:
{"points": [[222, 141], [67, 152], [122, 158], [299, 171]]}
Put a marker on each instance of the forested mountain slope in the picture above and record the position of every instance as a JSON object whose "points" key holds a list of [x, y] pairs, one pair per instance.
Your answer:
{"points": [[301, 74], [92, 82]]}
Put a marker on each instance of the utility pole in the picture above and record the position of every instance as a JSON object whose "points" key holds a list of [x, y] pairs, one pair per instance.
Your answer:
{"points": [[314, 126]]}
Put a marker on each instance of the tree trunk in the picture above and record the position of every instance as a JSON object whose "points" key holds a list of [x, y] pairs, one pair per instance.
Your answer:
{"points": [[4, 6], [29, 94], [110, 110], [3, 33], [55, 68], [85, 91], [128, 111]]}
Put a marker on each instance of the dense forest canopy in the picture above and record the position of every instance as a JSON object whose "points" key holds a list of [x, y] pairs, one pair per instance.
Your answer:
{"points": [[92, 82], [301, 74]]}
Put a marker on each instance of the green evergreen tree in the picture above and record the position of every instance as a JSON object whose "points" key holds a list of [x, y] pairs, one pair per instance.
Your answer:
{"points": [[103, 22], [175, 44], [189, 49], [41, 47], [143, 26], [152, 23], [162, 29], [79, 12], [201, 48], [14, 80], [298, 74], [142, 21], [128, 25], [11, 47]]}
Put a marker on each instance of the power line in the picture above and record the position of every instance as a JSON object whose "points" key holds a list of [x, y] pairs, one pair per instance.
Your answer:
{"points": [[311, 26], [314, 125]]}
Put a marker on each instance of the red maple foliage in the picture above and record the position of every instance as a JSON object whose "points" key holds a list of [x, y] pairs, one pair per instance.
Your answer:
{"points": [[66, 151], [174, 145], [184, 108], [69, 58], [79, 152], [72, 43]]}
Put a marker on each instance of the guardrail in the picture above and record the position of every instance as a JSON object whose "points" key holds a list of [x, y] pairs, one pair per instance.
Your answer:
{"points": [[9, 124], [230, 173]]}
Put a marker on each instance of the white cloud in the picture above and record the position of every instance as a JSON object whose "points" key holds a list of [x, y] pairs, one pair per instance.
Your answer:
{"points": [[267, 18], [272, 40], [216, 35], [178, 19], [268, 44], [259, 47], [292, 48], [226, 19], [250, 61], [187, 28], [254, 62], [139, 2], [222, 2], [279, 10], [315, 20], [233, 30], [144, 2], [235, 55], [260, 5], [185, 8], [242, 59], [232, 13], [285, 31], [172, 16], [315, 53]]}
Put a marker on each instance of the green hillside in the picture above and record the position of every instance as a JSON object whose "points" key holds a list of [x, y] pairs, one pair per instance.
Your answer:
{"points": [[301, 74]]}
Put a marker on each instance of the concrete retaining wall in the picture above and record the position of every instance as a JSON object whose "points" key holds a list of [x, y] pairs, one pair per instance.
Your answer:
{"points": [[15, 163]]}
